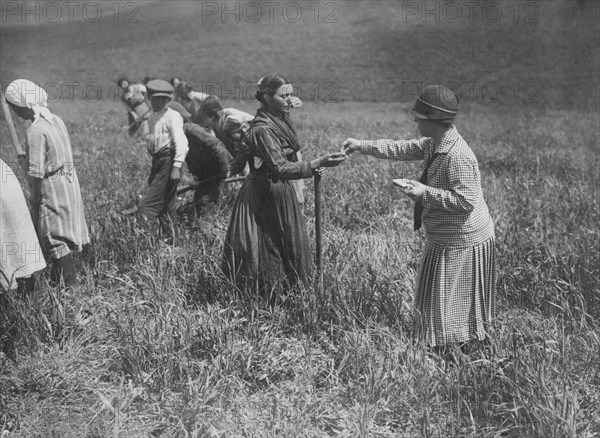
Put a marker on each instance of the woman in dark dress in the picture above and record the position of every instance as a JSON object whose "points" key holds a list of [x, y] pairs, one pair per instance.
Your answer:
{"points": [[267, 246]]}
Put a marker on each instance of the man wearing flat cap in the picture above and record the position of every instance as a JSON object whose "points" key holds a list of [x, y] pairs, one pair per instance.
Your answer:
{"points": [[168, 147]]}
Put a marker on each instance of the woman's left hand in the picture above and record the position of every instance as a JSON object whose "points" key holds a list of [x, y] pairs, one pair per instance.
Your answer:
{"points": [[414, 190]]}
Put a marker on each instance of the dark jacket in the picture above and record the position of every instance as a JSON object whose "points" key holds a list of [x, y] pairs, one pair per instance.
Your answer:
{"points": [[207, 156]]}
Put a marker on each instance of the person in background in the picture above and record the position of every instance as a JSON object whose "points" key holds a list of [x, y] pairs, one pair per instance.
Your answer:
{"points": [[20, 250], [266, 246], [207, 160], [190, 99], [456, 283], [215, 117], [168, 147], [134, 97], [235, 128], [55, 197], [230, 126]]}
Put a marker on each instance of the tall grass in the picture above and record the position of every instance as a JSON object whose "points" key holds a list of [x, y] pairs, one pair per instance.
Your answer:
{"points": [[157, 343]]}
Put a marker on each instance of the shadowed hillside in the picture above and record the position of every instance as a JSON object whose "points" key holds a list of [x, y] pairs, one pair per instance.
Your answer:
{"points": [[526, 53]]}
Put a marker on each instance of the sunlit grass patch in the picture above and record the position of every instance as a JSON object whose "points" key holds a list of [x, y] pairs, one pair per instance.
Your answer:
{"points": [[156, 341]]}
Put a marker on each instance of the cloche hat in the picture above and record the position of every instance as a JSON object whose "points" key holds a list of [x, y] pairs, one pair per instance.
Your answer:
{"points": [[436, 102]]}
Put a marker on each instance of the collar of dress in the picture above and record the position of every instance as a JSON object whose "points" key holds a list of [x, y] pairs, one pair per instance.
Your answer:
{"points": [[448, 141]]}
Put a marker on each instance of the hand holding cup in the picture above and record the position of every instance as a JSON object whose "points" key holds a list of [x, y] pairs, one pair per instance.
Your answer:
{"points": [[413, 189]]}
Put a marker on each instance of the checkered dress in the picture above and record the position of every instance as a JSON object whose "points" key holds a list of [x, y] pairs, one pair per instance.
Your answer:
{"points": [[455, 293]]}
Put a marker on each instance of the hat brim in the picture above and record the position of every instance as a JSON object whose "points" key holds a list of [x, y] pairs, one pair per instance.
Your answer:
{"points": [[418, 115], [159, 94], [421, 116]]}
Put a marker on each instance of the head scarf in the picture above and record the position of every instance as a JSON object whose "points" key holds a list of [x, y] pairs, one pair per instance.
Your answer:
{"points": [[232, 125], [235, 120], [26, 94]]}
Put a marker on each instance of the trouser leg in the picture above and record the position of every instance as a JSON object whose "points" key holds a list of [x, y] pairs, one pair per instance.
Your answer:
{"points": [[130, 123], [168, 213], [158, 206]]}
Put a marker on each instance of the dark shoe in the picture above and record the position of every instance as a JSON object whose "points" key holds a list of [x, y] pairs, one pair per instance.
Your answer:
{"points": [[64, 269]]}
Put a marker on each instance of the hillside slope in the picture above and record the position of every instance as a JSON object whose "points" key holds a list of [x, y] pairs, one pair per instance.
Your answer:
{"points": [[542, 53]]}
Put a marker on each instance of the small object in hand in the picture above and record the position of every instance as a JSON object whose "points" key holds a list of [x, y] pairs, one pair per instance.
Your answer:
{"points": [[403, 183]]}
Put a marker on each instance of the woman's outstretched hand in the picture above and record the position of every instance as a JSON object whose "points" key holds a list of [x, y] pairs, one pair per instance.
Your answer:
{"points": [[329, 160], [350, 145], [333, 159]]}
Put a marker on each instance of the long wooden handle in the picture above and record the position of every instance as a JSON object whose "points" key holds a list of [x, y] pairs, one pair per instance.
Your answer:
{"points": [[319, 231], [11, 126], [139, 121]]}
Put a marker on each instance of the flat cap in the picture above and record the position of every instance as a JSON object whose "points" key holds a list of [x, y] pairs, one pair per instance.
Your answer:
{"points": [[159, 87]]}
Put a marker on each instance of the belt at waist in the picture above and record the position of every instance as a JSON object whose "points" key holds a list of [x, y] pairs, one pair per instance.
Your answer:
{"points": [[164, 152]]}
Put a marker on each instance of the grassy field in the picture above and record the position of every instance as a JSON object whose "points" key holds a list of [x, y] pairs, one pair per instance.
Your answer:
{"points": [[157, 344]]}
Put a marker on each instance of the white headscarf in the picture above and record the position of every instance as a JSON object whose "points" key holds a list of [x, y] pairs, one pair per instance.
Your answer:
{"points": [[26, 94]]}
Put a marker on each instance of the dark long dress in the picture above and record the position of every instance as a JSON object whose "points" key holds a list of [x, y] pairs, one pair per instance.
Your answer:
{"points": [[266, 245]]}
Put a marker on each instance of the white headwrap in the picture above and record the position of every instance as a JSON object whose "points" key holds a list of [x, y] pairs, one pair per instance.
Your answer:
{"points": [[235, 120], [26, 94]]}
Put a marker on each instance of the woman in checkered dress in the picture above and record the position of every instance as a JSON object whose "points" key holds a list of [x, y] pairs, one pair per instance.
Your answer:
{"points": [[55, 197], [456, 282]]}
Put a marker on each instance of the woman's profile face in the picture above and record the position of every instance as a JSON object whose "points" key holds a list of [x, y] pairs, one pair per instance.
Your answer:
{"points": [[425, 127], [279, 103], [23, 112]]}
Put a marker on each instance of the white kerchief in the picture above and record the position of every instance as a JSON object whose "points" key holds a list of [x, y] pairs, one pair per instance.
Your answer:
{"points": [[25, 94]]}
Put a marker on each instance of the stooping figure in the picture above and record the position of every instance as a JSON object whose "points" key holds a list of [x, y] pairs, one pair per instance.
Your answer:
{"points": [[234, 128], [215, 117], [207, 160], [168, 147], [134, 96], [266, 245], [189, 98], [55, 197], [456, 282], [229, 125], [20, 250]]}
